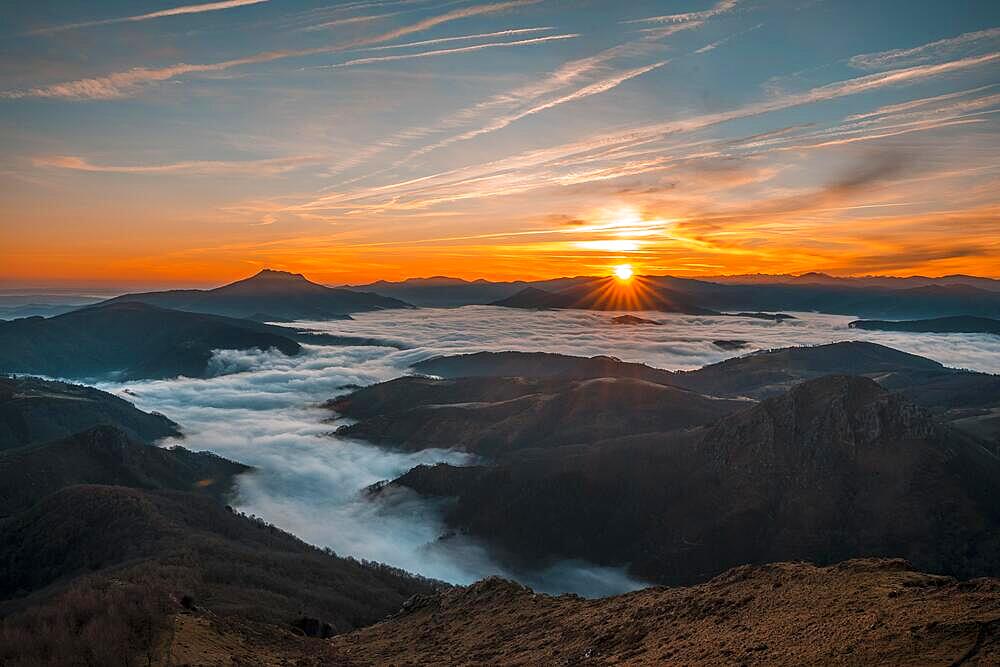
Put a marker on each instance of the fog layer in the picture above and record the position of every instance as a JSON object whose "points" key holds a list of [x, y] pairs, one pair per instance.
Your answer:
{"points": [[264, 409]]}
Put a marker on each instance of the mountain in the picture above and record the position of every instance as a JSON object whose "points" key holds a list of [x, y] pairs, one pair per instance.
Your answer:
{"points": [[34, 411], [496, 416], [835, 468], [107, 455], [106, 575], [936, 325], [860, 612], [130, 340], [868, 297], [607, 294], [442, 292], [269, 295]]}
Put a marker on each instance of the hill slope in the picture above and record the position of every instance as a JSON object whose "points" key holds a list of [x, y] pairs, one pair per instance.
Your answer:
{"points": [[936, 325], [107, 455], [862, 612], [269, 295], [495, 416], [34, 411], [836, 468], [130, 341]]}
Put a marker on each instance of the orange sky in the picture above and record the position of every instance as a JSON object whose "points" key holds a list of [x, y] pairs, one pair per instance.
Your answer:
{"points": [[500, 140]]}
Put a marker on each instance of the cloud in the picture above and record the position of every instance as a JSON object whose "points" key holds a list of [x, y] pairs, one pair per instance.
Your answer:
{"points": [[250, 167], [264, 410], [125, 84], [447, 52], [460, 38], [174, 11], [719, 8], [930, 51]]}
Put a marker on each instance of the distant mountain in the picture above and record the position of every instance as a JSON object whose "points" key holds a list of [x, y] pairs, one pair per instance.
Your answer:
{"points": [[269, 295], [497, 416], [34, 411], [607, 294], [883, 612], [874, 297], [108, 455], [130, 340], [835, 468], [936, 325], [891, 282]]}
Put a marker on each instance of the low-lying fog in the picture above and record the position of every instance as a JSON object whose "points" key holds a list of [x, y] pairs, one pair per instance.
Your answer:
{"points": [[263, 409]]}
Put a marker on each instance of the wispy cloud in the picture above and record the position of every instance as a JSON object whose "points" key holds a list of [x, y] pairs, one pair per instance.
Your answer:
{"points": [[460, 38], [688, 17], [925, 52], [249, 167], [174, 11], [447, 52], [124, 84]]}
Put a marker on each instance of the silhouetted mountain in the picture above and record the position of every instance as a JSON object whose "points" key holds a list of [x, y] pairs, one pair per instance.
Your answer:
{"points": [[836, 468], [495, 416], [607, 294], [936, 325], [873, 297], [130, 340], [104, 575], [633, 320], [108, 455], [860, 612], [269, 295], [34, 411], [536, 365]]}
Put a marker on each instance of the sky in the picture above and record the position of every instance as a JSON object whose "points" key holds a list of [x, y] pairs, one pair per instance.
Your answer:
{"points": [[152, 142]]}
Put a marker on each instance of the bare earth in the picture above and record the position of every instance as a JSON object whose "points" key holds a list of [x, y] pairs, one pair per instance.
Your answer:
{"points": [[860, 612]]}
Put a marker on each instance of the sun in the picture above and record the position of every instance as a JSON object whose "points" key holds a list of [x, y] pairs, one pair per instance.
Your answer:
{"points": [[623, 272]]}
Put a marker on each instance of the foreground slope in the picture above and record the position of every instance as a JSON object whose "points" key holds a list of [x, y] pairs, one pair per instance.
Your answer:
{"points": [[861, 612], [94, 575], [33, 410], [836, 468], [269, 295]]}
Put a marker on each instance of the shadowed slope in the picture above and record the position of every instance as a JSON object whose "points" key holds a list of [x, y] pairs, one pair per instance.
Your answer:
{"points": [[835, 468], [34, 410]]}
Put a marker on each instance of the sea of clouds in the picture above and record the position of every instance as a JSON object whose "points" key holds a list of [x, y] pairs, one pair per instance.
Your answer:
{"points": [[265, 409]]}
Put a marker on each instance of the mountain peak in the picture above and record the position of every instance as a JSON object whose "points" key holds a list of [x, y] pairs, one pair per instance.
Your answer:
{"points": [[275, 274]]}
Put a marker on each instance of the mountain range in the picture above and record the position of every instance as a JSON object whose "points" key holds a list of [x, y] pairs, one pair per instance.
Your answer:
{"points": [[269, 296], [890, 298]]}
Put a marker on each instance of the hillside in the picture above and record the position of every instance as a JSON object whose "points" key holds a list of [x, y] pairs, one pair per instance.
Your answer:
{"points": [[495, 416], [35, 411], [836, 468], [860, 612], [94, 575], [269, 296], [107, 455], [129, 340]]}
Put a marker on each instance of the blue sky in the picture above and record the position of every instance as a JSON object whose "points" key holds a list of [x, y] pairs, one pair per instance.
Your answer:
{"points": [[167, 143]]}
